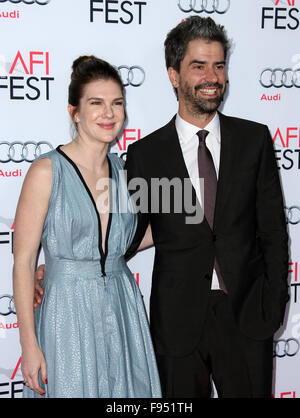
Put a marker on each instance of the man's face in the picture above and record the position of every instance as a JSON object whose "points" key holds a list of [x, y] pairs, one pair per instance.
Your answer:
{"points": [[201, 80]]}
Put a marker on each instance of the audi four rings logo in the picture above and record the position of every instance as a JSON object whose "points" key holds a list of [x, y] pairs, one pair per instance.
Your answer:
{"points": [[289, 347], [40, 2], [132, 76], [7, 305], [280, 77], [207, 6], [292, 215], [18, 152]]}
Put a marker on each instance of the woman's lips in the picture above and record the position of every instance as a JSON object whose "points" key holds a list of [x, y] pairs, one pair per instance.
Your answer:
{"points": [[107, 126]]}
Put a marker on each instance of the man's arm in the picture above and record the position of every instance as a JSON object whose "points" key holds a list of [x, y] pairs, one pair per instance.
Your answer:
{"points": [[271, 226], [134, 171]]}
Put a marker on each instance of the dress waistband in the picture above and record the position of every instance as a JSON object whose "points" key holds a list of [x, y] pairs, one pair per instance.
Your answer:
{"points": [[84, 269]]}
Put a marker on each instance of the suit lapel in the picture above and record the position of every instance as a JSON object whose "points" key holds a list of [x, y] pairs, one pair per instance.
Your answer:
{"points": [[175, 166], [230, 142]]}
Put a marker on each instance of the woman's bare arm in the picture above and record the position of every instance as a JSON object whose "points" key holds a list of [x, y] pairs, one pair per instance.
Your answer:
{"points": [[29, 221]]}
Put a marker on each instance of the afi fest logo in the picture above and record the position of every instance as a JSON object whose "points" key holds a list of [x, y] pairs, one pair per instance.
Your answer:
{"points": [[287, 149], [27, 76], [204, 6], [6, 233], [121, 144], [13, 381], [293, 277], [283, 16], [117, 11]]}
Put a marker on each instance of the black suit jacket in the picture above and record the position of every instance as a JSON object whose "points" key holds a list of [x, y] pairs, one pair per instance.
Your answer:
{"points": [[249, 237]]}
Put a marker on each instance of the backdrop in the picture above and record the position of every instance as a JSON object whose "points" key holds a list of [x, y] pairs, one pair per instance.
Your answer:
{"points": [[39, 41]]}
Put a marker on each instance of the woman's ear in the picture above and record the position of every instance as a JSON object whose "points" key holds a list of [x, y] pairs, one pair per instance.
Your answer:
{"points": [[73, 113]]}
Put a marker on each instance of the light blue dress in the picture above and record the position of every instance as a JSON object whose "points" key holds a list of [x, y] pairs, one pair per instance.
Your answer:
{"points": [[91, 326]]}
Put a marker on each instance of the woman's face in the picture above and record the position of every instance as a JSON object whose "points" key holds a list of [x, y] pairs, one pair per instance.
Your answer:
{"points": [[101, 111]]}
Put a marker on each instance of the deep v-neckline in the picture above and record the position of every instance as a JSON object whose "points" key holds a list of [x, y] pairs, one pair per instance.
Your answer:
{"points": [[103, 252]]}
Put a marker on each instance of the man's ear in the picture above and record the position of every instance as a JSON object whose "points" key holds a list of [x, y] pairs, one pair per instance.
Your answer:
{"points": [[174, 77]]}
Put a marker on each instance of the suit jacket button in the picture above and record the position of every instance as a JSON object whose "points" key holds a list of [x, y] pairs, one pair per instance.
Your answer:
{"points": [[207, 277], [214, 237]]}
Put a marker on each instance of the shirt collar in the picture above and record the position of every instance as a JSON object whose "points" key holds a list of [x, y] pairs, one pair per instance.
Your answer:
{"points": [[186, 130]]}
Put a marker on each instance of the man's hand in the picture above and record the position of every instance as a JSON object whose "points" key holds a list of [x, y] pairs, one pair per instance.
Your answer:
{"points": [[38, 291]]}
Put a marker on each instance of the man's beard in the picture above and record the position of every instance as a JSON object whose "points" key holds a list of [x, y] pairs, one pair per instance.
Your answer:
{"points": [[198, 105]]}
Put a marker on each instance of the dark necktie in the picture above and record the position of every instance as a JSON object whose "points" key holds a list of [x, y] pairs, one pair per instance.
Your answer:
{"points": [[208, 173]]}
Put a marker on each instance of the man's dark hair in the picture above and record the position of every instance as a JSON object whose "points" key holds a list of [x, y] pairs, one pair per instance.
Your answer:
{"points": [[194, 27]]}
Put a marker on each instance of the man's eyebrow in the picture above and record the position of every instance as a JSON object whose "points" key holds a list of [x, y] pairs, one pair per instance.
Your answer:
{"points": [[204, 62], [197, 62]]}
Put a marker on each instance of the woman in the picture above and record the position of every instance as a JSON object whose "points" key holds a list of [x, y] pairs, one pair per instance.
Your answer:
{"points": [[90, 335]]}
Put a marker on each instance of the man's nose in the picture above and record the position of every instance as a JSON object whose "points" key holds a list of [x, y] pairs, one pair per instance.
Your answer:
{"points": [[211, 75]]}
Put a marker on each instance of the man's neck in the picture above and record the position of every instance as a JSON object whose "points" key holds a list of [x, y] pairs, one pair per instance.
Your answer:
{"points": [[201, 119]]}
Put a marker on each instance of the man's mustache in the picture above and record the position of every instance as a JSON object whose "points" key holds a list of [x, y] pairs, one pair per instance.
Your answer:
{"points": [[207, 85]]}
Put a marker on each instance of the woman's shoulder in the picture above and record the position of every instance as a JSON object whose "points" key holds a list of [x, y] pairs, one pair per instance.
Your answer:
{"points": [[46, 165], [116, 160], [42, 164], [38, 178], [48, 162]]}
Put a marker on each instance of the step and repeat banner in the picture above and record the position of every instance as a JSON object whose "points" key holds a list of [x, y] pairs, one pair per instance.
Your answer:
{"points": [[39, 41]]}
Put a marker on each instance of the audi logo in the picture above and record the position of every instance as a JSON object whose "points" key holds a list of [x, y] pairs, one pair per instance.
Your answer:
{"points": [[289, 347], [40, 2], [132, 76], [18, 152], [207, 6], [7, 305], [279, 77], [292, 215]]}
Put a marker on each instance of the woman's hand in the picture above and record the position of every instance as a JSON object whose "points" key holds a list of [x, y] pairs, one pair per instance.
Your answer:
{"points": [[33, 361]]}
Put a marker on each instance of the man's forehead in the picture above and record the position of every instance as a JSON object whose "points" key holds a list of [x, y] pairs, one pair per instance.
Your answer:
{"points": [[199, 47]]}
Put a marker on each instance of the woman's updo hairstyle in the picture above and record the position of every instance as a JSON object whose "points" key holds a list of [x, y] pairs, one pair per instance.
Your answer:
{"points": [[86, 69]]}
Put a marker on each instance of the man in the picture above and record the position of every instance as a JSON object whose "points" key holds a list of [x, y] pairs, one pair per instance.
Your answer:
{"points": [[219, 287]]}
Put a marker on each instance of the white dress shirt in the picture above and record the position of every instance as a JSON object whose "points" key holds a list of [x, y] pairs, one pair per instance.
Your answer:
{"points": [[189, 143]]}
